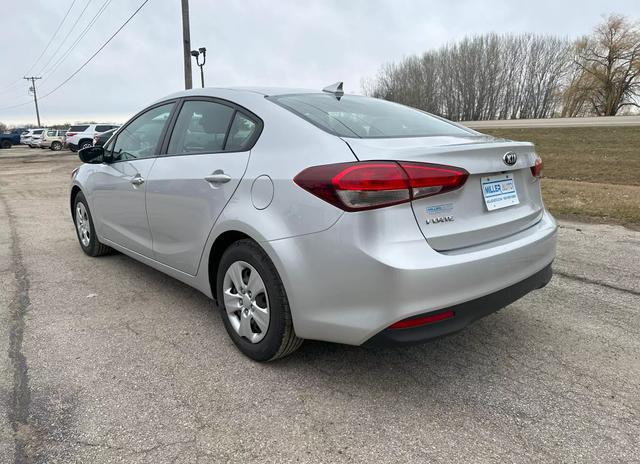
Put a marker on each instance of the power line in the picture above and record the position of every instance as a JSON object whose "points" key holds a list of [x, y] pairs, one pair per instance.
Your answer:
{"points": [[73, 26], [52, 37], [84, 32], [88, 60]]}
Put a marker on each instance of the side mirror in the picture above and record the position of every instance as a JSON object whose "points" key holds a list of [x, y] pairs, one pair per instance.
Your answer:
{"points": [[92, 155]]}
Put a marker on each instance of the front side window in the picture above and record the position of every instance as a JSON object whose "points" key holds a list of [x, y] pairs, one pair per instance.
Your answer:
{"points": [[140, 138], [201, 127], [51, 133], [364, 117]]}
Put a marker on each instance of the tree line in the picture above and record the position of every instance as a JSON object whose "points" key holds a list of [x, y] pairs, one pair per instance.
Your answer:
{"points": [[508, 76]]}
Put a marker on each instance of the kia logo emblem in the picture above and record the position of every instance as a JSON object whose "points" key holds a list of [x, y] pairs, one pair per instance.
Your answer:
{"points": [[510, 158]]}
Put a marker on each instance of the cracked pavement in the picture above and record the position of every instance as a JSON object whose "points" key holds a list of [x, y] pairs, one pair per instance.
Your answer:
{"points": [[106, 361]]}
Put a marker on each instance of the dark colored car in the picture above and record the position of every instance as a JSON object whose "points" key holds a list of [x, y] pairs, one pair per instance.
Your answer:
{"points": [[9, 138], [101, 139]]}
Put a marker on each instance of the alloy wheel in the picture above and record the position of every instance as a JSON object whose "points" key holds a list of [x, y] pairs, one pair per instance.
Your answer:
{"points": [[246, 301], [82, 224]]}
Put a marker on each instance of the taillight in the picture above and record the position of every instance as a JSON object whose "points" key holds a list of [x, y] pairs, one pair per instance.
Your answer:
{"points": [[367, 185], [536, 169], [71, 134]]}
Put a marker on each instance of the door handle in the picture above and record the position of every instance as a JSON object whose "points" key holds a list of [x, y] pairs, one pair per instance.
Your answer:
{"points": [[218, 177], [137, 180]]}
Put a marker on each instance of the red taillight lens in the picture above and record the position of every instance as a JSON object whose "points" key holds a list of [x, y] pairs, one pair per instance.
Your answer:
{"points": [[71, 134], [374, 184], [431, 179], [423, 320], [536, 169]]}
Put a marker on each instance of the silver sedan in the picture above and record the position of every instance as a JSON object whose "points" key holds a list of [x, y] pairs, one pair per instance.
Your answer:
{"points": [[319, 215]]}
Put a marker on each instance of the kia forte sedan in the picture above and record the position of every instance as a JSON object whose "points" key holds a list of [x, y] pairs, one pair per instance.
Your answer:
{"points": [[318, 215]]}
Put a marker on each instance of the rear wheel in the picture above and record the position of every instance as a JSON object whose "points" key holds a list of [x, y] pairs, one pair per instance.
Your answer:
{"points": [[85, 230], [85, 144], [56, 146], [254, 305]]}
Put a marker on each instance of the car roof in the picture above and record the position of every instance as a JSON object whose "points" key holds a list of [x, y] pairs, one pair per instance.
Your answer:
{"points": [[262, 91]]}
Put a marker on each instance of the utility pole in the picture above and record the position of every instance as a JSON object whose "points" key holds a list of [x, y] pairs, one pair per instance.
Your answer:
{"points": [[33, 80], [186, 45]]}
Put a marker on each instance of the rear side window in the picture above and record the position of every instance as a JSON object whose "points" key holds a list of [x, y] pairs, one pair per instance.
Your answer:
{"points": [[201, 127], [103, 128], [81, 128], [62, 133], [38, 132], [242, 133], [364, 117]]}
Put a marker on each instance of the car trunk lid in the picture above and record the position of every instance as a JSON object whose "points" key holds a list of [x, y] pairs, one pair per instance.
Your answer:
{"points": [[461, 218]]}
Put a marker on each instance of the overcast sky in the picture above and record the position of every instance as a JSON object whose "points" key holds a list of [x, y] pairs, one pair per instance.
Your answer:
{"points": [[249, 42]]}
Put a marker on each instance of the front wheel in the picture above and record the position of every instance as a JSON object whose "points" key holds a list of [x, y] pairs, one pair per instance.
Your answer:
{"points": [[253, 302], [85, 144], [56, 146], [5, 144], [85, 230]]}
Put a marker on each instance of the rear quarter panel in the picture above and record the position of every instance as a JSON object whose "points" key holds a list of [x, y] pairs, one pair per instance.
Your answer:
{"points": [[287, 145]]}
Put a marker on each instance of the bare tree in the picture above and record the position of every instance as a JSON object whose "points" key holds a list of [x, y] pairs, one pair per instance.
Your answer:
{"points": [[481, 77], [609, 64]]}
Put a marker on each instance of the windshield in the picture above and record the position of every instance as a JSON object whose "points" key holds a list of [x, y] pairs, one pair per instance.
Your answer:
{"points": [[357, 116]]}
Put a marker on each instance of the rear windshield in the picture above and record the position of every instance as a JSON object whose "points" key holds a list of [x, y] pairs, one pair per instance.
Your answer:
{"points": [[78, 128], [364, 117]]}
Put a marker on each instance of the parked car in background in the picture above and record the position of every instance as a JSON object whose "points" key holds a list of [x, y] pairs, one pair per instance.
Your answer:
{"points": [[53, 139], [320, 215], [10, 138], [101, 139], [27, 137], [36, 138], [81, 136]]}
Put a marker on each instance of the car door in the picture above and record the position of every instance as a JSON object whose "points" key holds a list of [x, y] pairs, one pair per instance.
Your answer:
{"points": [[118, 186], [188, 187]]}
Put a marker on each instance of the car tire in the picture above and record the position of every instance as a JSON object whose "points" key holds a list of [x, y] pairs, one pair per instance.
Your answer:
{"points": [[56, 146], [85, 229], [5, 144], [279, 338], [84, 144]]}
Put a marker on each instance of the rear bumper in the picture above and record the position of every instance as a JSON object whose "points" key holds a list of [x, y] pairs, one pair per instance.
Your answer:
{"points": [[464, 313], [370, 270], [71, 146]]}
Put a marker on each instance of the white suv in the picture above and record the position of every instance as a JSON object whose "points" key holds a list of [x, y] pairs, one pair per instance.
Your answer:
{"points": [[81, 135], [27, 137]]}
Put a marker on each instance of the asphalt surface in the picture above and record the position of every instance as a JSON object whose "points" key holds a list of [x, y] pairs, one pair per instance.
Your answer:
{"points": [[595, 121], [106, 360]]}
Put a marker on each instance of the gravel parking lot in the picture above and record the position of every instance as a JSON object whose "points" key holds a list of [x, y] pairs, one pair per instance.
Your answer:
{"points": [[106, 360]]}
